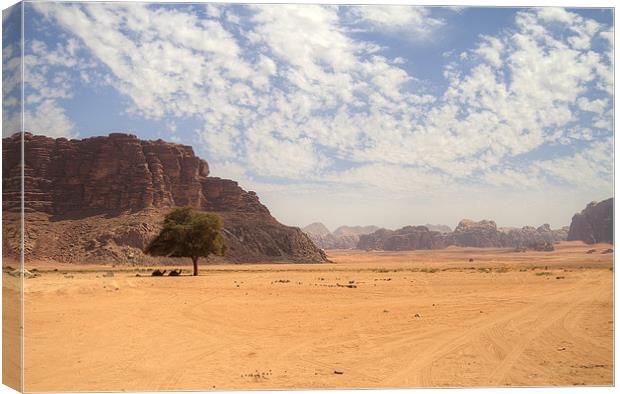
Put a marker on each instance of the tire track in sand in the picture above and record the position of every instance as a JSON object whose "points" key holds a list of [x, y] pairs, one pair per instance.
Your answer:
{"points": [[419, 372]]}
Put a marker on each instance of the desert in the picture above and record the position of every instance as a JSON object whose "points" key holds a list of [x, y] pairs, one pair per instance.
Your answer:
{"points": [[429, 318], [229, 196]]}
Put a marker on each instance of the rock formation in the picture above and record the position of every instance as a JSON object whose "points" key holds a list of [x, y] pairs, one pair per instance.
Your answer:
{"points": [[482, 234], [102, 198], [348, 231], [344, 237], [406, 238], [442, 228], [527, 236], [594, 224], [317, 229]]}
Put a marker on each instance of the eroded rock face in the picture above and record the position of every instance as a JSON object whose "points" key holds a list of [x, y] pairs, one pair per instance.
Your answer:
{"points": [[442, 228], [482, 234], [95, 187], [594, 224], [468, 233], [527, 236], [406, 238]]}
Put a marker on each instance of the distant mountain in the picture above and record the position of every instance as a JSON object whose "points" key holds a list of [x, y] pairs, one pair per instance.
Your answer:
{"points": [[482, 234], [594, 224], [442, 228], [406, 238], [316, 228], [344, 237], [343, 231]]}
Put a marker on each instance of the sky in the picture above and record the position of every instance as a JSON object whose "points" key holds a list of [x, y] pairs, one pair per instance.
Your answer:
{"points": [[347, 115]]}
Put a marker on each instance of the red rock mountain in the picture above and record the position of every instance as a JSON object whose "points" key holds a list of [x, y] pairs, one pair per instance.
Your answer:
{"points": [[102, 198], [595, 223]]}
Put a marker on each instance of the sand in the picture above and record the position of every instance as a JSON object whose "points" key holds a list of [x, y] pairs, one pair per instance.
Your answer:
{"points": [[407, 319]]}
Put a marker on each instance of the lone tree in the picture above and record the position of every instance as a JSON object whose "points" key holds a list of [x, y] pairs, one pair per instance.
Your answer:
{"points": [[189, 234]]}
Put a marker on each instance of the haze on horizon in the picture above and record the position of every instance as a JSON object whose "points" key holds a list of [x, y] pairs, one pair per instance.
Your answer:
{"points": [[345, 115]]}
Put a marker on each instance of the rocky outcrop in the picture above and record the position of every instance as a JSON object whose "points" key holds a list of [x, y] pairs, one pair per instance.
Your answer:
{"points": [[594, 224], [104, 197], [528, 236], [344, 237], [442, 228], [482, 234], [406, 238], [468, 233]]}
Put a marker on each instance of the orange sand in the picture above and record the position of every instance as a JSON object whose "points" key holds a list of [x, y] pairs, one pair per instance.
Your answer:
{"points": [[281, 326]]}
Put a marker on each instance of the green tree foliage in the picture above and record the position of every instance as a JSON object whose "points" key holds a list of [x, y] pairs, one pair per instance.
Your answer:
{"points": [[187, 233]]}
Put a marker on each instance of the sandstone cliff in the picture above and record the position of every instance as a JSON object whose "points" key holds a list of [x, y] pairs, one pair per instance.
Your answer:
{"points": [[595, 223], [102, 198]]}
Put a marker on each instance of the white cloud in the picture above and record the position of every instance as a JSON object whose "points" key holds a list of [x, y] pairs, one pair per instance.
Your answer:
{"points": [[491, 50], [597, 106], [415, 22], [591, 167], [50, 119], [293, 94], [11, 78]]}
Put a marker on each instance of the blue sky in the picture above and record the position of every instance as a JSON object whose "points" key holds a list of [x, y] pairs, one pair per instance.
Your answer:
{"points": [[385, 115]]}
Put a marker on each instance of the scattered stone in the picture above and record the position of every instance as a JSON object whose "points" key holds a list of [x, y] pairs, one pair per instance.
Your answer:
{"points": [[338, 372]]}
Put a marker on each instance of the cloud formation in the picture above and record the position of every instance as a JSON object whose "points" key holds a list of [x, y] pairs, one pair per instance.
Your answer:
{"points": [[294, 93]]}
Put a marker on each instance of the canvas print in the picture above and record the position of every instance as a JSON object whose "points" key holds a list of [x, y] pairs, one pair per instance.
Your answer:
{"points": [[213, 196]]}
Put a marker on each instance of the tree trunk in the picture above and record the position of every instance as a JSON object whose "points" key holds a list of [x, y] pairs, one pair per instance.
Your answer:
{"points": [[195, 261]]}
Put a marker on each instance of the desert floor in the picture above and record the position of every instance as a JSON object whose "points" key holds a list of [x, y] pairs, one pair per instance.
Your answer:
{"points": [[371, 319]]}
